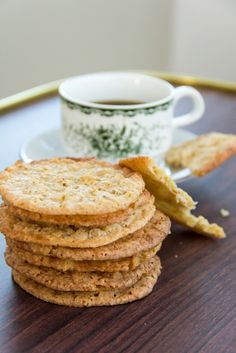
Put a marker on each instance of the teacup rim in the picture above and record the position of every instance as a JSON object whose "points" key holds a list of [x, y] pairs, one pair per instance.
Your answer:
{"points": [[65, 96]]}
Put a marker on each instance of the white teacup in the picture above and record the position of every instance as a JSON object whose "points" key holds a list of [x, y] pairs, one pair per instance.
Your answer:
{"points": [[114, 131]]}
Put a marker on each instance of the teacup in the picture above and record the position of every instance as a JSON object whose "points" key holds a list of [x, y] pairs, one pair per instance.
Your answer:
{"points": [[114, 115]]}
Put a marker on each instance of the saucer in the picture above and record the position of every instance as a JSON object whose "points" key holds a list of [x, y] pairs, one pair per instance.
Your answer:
{"points": [[49, 144]]}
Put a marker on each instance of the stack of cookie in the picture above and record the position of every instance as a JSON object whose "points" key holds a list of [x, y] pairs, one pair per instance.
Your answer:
{"points": [[81, 232]]}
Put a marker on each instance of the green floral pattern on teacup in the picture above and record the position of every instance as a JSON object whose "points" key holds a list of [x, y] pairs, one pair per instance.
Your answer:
{"points": [[112, 141], [112, 112]]}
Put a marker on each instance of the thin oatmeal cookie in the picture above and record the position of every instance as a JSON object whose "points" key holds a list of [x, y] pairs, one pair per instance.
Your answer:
{"points": [[66, 186], [64, 265], [101, 220], [69, 236], [203, 153], [170, 199], [79, 281], [152, 234], [140, 289]]}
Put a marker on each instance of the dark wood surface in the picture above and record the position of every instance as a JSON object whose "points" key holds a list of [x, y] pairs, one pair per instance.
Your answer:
{"points": [[192, 308]]}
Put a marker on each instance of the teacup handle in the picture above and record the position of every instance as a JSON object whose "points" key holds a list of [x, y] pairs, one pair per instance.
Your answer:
{"points": [[198, 106]]}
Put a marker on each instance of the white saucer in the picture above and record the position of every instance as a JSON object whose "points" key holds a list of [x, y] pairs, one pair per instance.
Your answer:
{"points": [[49, 144]]}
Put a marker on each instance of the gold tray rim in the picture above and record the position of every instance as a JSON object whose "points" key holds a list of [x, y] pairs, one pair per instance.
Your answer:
{"points": [[51, 88]]}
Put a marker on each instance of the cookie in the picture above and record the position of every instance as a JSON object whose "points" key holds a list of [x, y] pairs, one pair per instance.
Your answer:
{"points": [[63, 265], [79, 281], [66, 186], [69, 236], [170, 199], [203, 153], [139, 290], [101, 220], [152, 234]]}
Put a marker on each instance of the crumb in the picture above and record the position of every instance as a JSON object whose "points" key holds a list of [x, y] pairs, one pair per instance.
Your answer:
{"points": [[145, 323], [176, 256], [224, 213], [180, 243]]}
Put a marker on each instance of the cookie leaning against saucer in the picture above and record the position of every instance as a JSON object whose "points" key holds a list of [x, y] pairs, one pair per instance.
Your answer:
{"points": [[152, 234], [65, 187], [64, 265], [82, 237], [79, 281], [139, 290], [203, 153]]}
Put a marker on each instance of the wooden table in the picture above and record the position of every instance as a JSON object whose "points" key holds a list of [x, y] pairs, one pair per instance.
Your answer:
{"points": [[192, 308]]}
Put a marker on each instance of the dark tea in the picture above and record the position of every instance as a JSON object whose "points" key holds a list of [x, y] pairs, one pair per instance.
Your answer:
{"points": [[119, 102]]}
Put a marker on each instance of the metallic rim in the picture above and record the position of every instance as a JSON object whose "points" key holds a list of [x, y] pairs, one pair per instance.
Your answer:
{"points": [[51, 88]]}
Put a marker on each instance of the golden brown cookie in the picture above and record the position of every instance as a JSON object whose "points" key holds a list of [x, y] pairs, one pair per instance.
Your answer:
{"points": [[65, 186], [203, 153], [152, 234], [125, 264], [101, 220], [92, 298], [170, 199], [69, 236], [79, 281]]}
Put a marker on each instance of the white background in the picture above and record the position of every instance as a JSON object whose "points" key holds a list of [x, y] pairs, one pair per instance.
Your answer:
{"points": [[44, 40]]}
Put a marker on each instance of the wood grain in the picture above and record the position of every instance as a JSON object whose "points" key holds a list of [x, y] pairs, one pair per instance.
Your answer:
{"points": [[192, 308]]}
